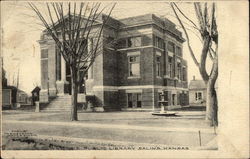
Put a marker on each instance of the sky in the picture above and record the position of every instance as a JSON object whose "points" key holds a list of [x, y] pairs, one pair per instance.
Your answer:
{"points": [[20, 33]]}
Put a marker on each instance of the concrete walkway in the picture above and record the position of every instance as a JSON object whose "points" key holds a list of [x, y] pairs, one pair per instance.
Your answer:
{"points": [[113, 126]]}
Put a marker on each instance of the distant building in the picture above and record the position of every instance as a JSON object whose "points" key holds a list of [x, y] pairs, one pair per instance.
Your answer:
{"points": [[197, 92], [11, 96], [148, 60], [7, 98], [6, 92]]}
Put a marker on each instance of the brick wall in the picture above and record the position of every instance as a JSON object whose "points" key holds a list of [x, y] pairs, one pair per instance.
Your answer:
{"points": [[110, 100]]}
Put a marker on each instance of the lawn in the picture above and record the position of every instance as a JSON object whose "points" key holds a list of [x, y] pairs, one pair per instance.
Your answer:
{"points": [[137, 136], [121, 118], [144, 119]]}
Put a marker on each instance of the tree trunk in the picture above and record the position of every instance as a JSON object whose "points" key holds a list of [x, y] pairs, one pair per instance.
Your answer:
{"points": [[74, 92], [211, 104]]}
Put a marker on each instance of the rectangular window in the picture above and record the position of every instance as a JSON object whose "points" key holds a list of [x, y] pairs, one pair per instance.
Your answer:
{"points": [[138, 100], [134, 65], [122, 43], [178, 51], [158, 42], [184, 74], [171, 47], [173, 99], [130, 101], [179, 71], [178, 99], [134, 100], [170, 66], [158, 66], [198, 96], [134, 42]]}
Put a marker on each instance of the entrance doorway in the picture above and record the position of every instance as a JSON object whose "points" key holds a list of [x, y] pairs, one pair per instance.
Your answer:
{"points": [[68, 79], [81, 89]]}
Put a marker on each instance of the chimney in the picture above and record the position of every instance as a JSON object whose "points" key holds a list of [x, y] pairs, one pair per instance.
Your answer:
{"points": [[193, 77]]}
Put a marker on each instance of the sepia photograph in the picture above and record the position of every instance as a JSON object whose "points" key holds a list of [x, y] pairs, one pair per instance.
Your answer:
{"points": [[124, 77]]}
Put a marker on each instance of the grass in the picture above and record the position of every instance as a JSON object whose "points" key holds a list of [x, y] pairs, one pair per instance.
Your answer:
{"points": [[121, 118], [137, 136], [117, 118]]}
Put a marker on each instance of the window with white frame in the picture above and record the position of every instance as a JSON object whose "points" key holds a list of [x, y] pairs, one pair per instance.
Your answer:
{"points": [[134, 65], [198, 96]]}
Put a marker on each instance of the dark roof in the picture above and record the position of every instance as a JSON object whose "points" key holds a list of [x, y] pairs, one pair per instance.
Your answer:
{"points": [[11, 87], [197, 84], [15, 89], [163, 23], [36, 89], [99, 20]]}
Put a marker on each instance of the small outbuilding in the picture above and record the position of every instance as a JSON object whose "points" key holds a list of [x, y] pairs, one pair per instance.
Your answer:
{"points": [[197, 92]]}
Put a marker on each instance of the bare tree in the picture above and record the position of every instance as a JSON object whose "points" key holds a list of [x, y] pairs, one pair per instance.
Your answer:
{"points": [[70, 26], [207, 28]]}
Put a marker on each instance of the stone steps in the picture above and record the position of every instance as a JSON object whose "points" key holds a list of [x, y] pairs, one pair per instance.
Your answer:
{"points": [[60, 103]]}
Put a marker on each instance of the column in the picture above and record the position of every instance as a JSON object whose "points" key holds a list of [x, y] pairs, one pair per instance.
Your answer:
{"points": [[60, 84], [52, 67], [63, 69], [43, 96]]}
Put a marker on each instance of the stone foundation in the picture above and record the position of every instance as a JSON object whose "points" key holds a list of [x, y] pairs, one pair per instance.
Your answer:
{"points": [[98, 109], [171, 107], [60, 87], [43, 96], [52, 92]]}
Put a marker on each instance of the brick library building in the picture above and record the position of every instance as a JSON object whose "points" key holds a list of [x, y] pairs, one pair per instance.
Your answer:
{"points": [[146, 66]]}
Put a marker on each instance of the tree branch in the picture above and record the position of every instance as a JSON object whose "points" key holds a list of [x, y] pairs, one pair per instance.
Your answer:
{"points": [[188, 41], [195, 26]]}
